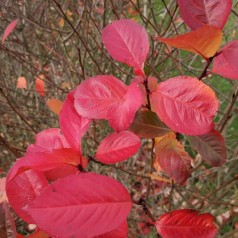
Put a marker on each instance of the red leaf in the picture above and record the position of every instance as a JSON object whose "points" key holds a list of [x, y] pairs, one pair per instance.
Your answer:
{"points": [[186, 223], [94, 96], [23, 189], [121, 114], [146, 124], [127, 42], [21, 82], [211, 146], [47, 160], [186, 105], [118, 147], [212, 12], [48, 139], [120, 232], [92, 205], [9, 29], [204, 41], [106, 97], [63, 171], [40, 85], [72, 124], [225, 63], [172, 158]]}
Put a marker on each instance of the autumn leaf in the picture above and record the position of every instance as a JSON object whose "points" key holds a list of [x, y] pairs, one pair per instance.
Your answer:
{"points": [[73, 125], [146, 124], [61, 22], [204, 41], [9, 29], [127, 42], [211, 147], [198, 13], [118, 147], [185, 104], [172, 158], [21, 82], [92, 205], [55, 105], [40, 85], [225, 63], [186, 223], [24, 188]]}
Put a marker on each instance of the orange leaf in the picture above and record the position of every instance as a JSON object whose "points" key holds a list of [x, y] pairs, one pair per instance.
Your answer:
{"points": [[40, 85], [61, 22], [55, 105], [204, 41], [21, 82], [172, 158]]}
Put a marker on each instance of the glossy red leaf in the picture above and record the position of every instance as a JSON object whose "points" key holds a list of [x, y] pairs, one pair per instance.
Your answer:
{"points": [[72, 124], [204, 41], [211, 147], [196, 13], [120, 232], [9, 29], [48, 139], [186, 223], [94, 96], [48, 160], [118, 147], [225, 63], [62, 171], [146, 124], [7, 224], [92, 205], [127, 42], [121, 114], [23, 189], [186, 105], [172, 158]]}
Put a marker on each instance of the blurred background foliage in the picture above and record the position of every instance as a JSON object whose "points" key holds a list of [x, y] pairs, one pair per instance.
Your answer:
{"points": [[59, 42]]}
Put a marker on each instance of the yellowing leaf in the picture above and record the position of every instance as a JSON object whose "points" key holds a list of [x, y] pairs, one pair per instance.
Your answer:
{"points": [[21, 82], [172, 158], [204, 41], [54, 105], [65, 85], [61, 22], [157, 177]]}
